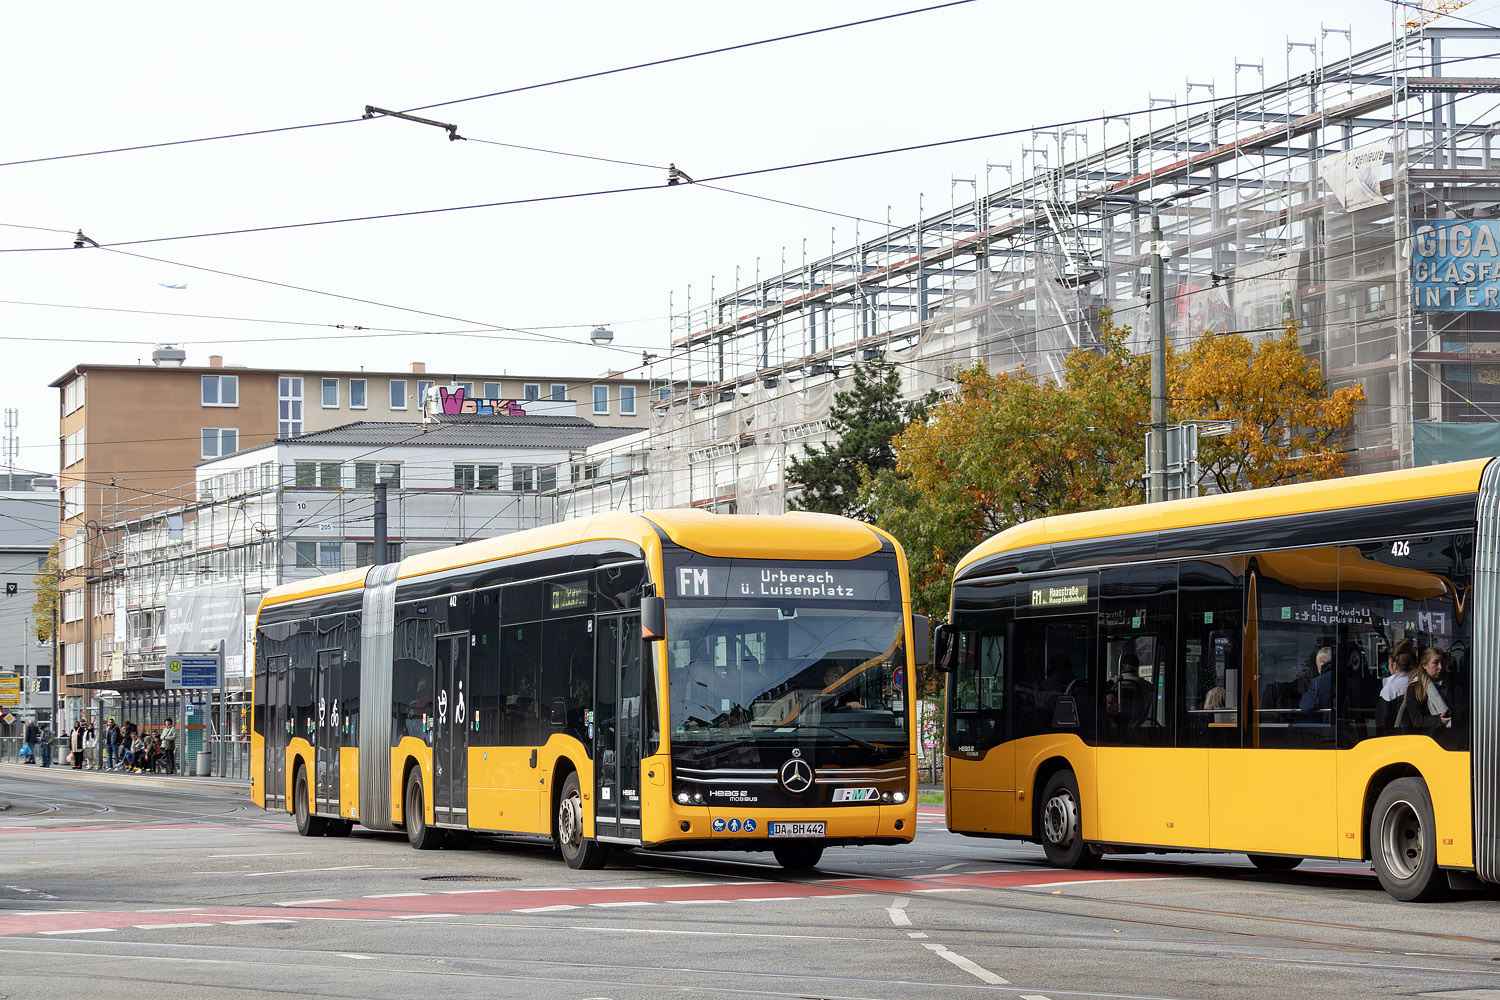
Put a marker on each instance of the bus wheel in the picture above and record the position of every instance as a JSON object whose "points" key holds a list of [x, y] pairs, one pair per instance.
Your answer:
{"points": [[1273, 862], [800, 856], [1403, 842], [418, 833], [308, 825], [577, 850], [1062, 824]]}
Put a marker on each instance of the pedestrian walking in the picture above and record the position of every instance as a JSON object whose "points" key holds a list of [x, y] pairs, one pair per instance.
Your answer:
{"points": [[169, 745], [112, 744], [90, 745]]}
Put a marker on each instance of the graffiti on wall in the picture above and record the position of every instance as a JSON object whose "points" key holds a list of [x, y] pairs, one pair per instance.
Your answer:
{"points": [[454, 402]]}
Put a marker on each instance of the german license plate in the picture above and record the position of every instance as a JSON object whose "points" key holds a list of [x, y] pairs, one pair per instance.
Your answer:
{"points": [[798, 830]]}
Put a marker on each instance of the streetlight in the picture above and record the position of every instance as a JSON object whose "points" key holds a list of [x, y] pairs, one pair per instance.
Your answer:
{"points": [[1156, 462], [601, 336], [383, 475]]}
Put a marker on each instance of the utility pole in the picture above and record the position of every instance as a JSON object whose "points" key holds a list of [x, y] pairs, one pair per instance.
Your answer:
{"points": [[381, 555], [1157, 453]]}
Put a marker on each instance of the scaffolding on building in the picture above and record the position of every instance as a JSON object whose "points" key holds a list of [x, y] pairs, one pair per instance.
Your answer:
{"points": [[1293, 202]]}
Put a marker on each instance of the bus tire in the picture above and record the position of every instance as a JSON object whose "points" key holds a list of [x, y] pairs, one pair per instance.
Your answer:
{"points": [[308, 825], [799, 856], [418, 833], [578, 851], [1273, 862], [1061, 824], [1403, 842]]}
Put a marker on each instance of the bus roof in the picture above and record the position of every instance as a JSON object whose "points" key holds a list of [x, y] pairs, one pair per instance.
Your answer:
{"points": [[1329, 494], [796, 535]]}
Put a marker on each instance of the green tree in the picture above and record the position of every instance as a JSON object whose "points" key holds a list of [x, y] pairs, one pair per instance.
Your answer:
{"points": [[864, 418], [44, 605]]}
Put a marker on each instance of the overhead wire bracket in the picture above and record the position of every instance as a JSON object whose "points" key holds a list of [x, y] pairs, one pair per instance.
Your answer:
{"points": [[371, 111]]}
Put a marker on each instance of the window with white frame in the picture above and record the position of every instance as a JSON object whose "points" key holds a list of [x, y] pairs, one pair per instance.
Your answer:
{"points": [[306, 555], [525, 478], [289, 406], [330, 393], [304, 473], [330, 556], [558, 391], [492, 390], [72, 602], [398, 393], [365, 473], [73, 395], [72, 497], [531, 390], [357, 396], [424, 387], [601, 399], [72, 553], [330, 475], [477, 477], [220, 441], [73, 447], [627, 400], [221, 390]]}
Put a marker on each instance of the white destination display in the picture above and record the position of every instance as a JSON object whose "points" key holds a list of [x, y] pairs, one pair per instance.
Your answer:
{"points": [[780, 583]]}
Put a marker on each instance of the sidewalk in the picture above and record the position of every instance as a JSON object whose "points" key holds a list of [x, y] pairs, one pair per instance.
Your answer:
{"points": [[121, 778]]}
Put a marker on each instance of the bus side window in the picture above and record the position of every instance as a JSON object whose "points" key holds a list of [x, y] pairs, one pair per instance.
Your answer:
{"points": [[1211, 598], [1297, 612]]}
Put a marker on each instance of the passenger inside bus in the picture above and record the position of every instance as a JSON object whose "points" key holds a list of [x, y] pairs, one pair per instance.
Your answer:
{"points": [[1319, 694], [1137, 697], [838, 696]]}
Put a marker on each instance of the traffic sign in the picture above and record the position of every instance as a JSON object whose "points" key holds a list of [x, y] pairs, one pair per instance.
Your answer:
{"points": [[10, 689], [191, 670]]}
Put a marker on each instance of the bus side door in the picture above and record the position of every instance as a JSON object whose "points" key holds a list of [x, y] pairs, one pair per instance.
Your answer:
{"points": [[450, 743], [617, 734], [327, 694]]}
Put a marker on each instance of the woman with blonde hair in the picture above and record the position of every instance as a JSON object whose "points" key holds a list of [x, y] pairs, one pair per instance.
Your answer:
{"points": [[1424, 706]]}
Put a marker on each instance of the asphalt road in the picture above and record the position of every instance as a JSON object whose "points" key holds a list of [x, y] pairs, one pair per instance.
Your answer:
{"points": [[125, 887]]}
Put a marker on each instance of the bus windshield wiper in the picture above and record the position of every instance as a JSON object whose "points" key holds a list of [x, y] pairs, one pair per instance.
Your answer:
{"points": [[865, 744]]}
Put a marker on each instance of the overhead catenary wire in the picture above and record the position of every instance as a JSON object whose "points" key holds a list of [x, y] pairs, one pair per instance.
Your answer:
{"points": [[576, 78]]}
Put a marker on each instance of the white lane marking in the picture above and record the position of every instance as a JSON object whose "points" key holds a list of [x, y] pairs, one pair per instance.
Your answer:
{"points": [[897, 910], [915, 934], [547, 909], [94, 930], [694, 902], [1032, 996], [972, 968], [299, 871], [362, 958], [956, 864], [422, 916], [955, 889], [263, 920], [171, 909], [304, 902], [393, 895], [642, 902]]}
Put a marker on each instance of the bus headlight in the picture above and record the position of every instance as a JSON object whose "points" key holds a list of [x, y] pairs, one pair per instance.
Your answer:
{"points": [[698, 798], [899, 798], [682, 798]]}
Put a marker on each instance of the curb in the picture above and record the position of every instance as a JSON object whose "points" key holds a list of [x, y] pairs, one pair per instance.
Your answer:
{"points": [[126, 778]]}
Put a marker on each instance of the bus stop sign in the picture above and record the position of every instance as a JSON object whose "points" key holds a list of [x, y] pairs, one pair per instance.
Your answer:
{"points": [[187, 671]]}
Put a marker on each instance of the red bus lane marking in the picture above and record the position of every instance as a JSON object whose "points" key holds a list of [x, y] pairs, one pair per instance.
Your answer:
{"points": [[386, 906]]}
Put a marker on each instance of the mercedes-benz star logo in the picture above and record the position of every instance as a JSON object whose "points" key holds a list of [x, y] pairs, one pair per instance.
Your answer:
{"points": [[796, 776]]}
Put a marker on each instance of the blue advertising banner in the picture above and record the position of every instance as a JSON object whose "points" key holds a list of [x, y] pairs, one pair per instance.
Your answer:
{"points": [[1455, 266]]}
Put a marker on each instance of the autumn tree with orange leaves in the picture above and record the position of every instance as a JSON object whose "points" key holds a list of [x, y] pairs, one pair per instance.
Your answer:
{"points": [[1012, 446]]}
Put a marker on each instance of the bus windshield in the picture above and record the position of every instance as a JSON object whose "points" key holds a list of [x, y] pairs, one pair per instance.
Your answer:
{"points": [[827, 674]]}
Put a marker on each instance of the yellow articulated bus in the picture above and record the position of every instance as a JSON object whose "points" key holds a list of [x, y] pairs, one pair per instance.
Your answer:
{"points": [[672, 680], [1224, 674]]}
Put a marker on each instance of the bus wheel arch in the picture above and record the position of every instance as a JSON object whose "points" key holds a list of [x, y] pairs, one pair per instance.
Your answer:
{"points": [[1059, 820], [578, 851], [1403, 842], [1373, 789]]}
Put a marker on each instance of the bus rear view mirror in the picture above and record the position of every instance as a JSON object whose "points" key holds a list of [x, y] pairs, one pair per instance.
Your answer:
{"points": [[942, 639], [921, 636], [653, 619]]}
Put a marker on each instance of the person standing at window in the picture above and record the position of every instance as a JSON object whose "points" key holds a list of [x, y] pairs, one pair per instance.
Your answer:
{"points": [[1319, 693], [1425, 705]]}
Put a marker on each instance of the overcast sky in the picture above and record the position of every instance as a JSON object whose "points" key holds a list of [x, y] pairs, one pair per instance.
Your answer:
{"points": [[92, 75]]}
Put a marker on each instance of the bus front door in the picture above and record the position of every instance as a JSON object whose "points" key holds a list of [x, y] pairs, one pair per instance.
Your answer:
{"points": [[617, 732], [326, 695], [450, 743]]}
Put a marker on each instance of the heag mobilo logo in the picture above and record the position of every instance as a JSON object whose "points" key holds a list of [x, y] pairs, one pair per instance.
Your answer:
{"points": [[856, 795]]}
